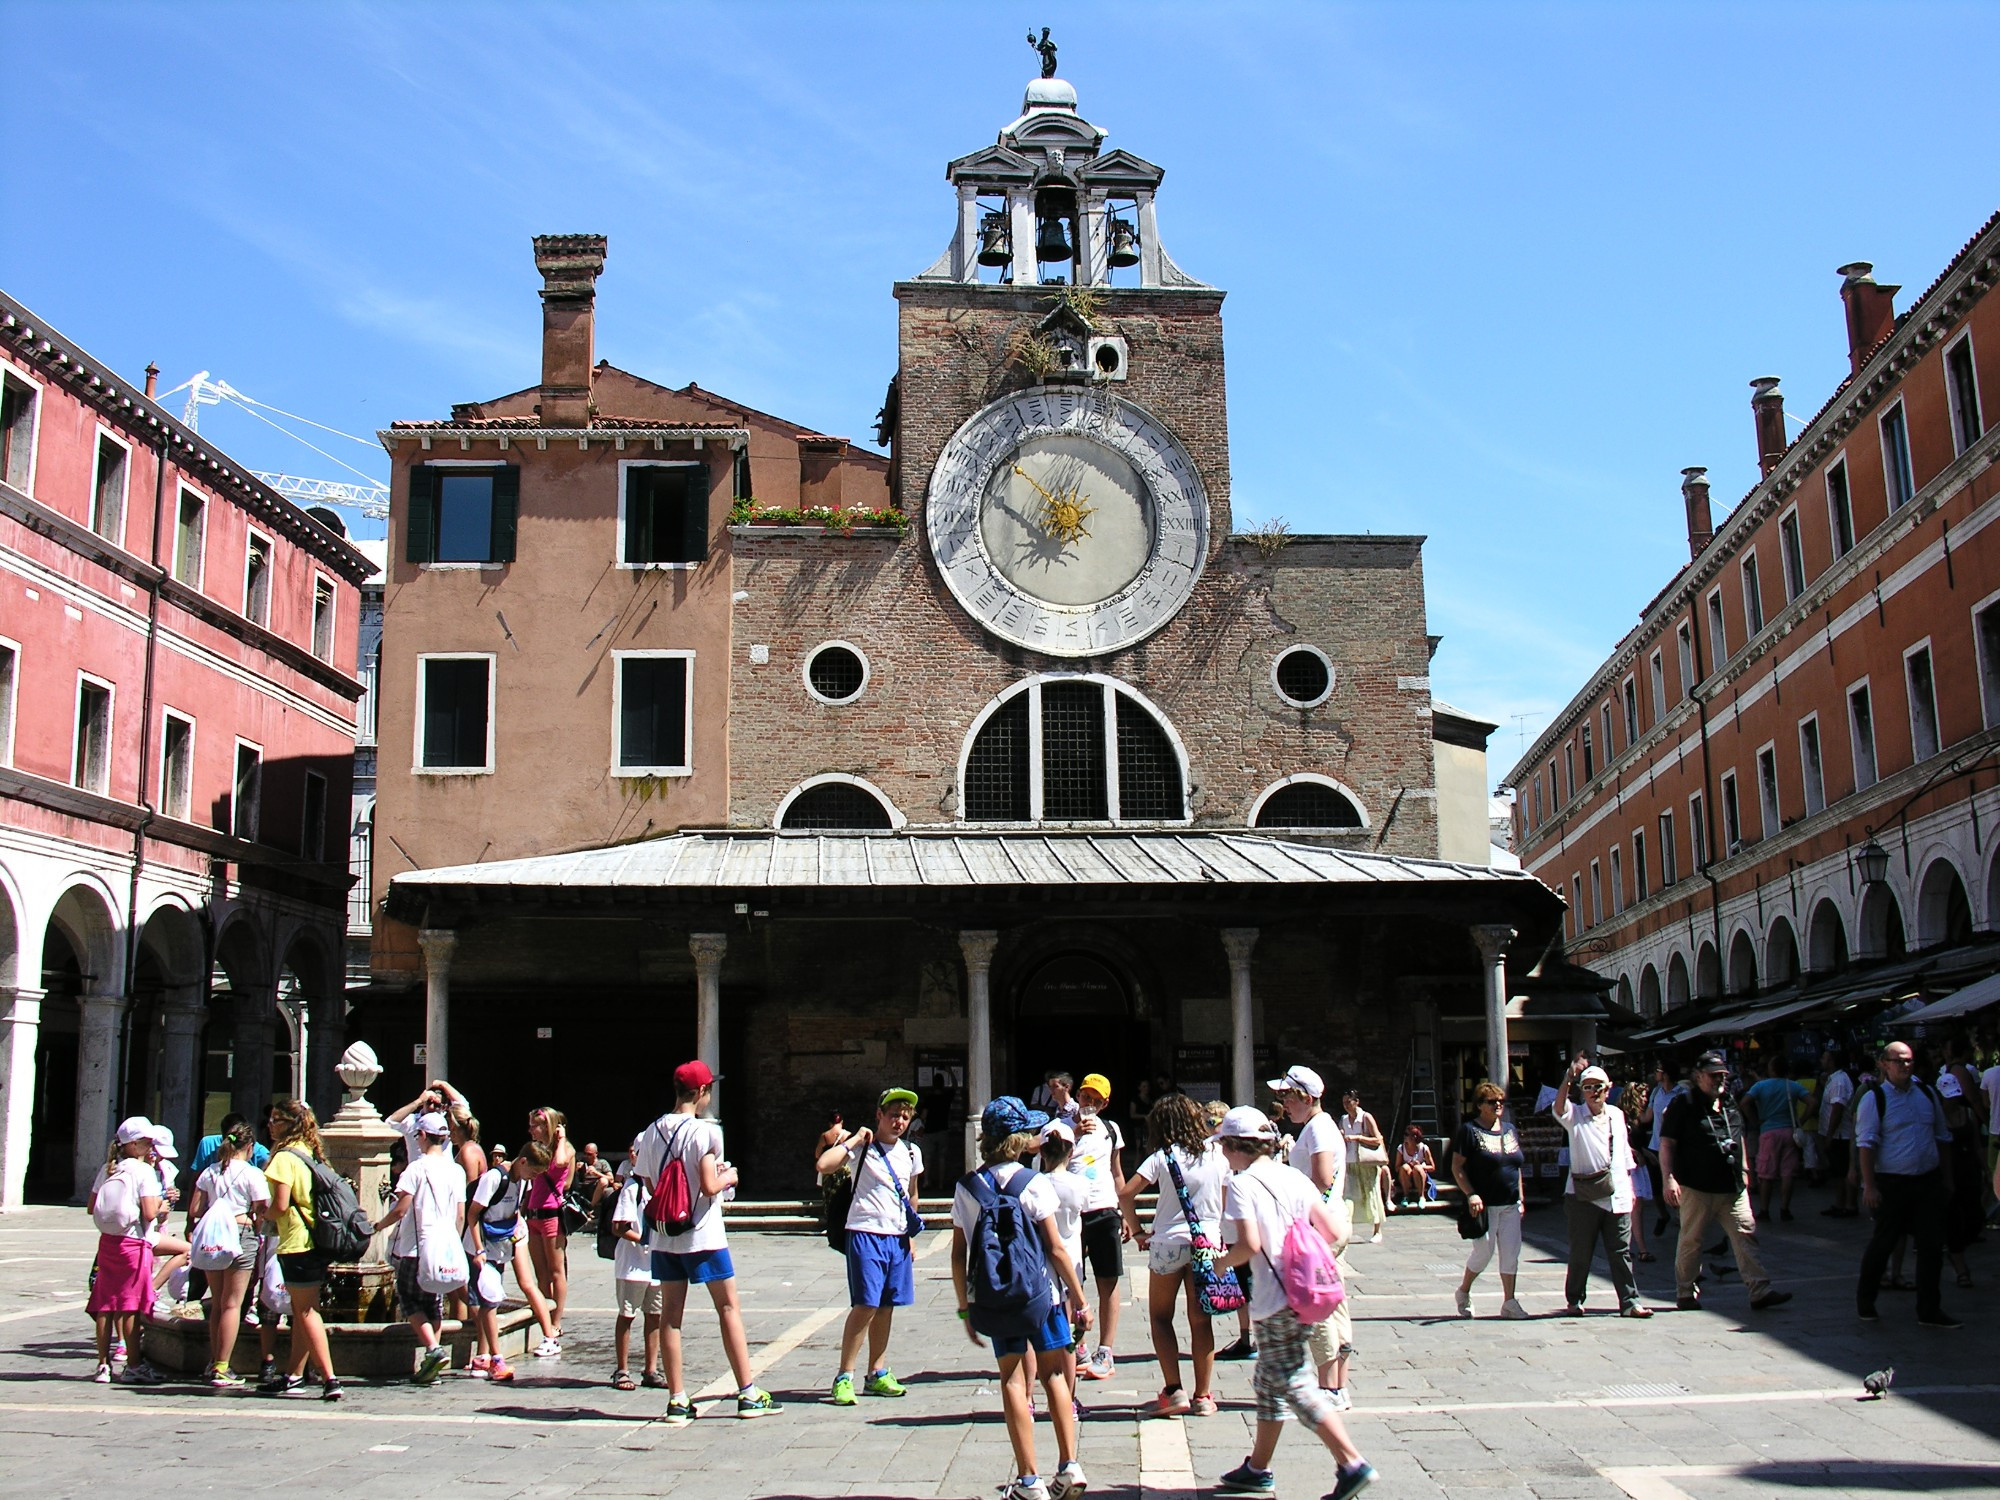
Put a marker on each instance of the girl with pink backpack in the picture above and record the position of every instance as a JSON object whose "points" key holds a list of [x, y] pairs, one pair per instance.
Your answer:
{"points": [[1273, 1216]]}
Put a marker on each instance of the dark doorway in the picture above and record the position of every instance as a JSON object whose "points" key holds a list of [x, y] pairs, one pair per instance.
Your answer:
{"points": [[1075, 1013], [52, 1146]]}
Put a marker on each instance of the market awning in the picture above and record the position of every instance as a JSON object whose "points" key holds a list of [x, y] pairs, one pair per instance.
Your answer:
{"points": [[1959, 1003]]}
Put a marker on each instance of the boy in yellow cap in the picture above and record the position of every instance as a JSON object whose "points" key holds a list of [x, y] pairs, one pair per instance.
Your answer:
{"points": [[1099, 1145]]}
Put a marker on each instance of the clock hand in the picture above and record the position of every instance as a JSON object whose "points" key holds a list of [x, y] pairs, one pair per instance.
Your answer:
{"points": [[1051, 499]]}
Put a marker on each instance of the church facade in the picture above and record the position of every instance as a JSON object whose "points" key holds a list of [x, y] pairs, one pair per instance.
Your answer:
{"points": [[705, 733]]}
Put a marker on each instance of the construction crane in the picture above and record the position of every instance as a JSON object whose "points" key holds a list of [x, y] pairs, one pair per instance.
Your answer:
{"points": [[370, 498]]}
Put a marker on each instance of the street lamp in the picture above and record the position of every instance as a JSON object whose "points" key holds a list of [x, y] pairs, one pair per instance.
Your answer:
{"points": [[1873, 862]]}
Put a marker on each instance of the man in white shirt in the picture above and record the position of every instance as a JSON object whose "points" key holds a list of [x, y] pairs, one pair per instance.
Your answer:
{"points": [[1097, 1158], [1321, 1154], [1836, 1132], [1598, 1197], [430, 1200], [881, 1271]]}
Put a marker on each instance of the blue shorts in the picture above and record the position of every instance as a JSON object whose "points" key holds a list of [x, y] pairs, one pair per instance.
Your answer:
{"points": [[697, 1266], [881, 1272], [1054, 1334]]}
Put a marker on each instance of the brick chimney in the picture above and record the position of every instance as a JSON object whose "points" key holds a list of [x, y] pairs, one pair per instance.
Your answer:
{"points": [[1701, 523], [1871, 311], [570, 265], [152, 380], [1768, 405]]}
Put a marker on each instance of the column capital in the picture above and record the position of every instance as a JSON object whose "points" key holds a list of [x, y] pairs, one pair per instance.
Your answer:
{"points": [[1237, 943], [439, 944], [977, 945], [1492, 939], [104, 1004], [21, 1006], [708, 948]]}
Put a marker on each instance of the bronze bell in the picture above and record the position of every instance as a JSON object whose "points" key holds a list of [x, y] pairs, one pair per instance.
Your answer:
{"points": [[996, 245], [1124, 244], [1052, 242]]}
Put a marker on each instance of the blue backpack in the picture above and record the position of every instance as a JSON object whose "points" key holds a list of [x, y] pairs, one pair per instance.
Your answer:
{"points": [[1006, 1273]]}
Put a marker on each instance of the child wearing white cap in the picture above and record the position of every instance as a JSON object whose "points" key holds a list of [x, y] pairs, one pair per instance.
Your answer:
{"points": [[125, 1202], [430, 1199]]}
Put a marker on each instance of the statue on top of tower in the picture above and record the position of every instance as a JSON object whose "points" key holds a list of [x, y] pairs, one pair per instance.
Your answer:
{"points": [[1048, 50]]}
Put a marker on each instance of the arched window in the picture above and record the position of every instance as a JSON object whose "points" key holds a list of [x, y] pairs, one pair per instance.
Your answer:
{"points": [[1307, 802], [1073, 750], [836, 804]]}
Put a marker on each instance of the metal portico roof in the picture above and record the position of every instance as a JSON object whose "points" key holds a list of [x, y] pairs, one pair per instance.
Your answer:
{"points": [[931, 860]]}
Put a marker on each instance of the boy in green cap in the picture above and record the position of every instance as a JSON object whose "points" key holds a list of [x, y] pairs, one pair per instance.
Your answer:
{"points": [[881, 1272]]}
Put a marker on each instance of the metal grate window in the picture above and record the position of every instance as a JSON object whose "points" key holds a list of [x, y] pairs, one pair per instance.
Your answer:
{"points": [[1302, 676], [996, 772], [836, 672], [1149, 773], [1073, 752], [1307, 804], [837, 805]]}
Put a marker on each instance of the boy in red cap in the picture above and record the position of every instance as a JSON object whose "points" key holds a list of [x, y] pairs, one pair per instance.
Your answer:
{"points": [[701, 1252]]}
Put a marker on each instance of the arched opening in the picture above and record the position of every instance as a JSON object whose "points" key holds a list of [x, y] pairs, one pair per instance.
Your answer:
{"points": [[1073, 1012], [1649, 993], [1626, 997], [1104, 753], [1781, 954], [1307, 801], [1993, 893], [1881, 924], [1826, 939], [1677, 982], [229, 1053], [836, 806], [1742, 964], [1707, 972], [1944, 915], [52, 1144]]}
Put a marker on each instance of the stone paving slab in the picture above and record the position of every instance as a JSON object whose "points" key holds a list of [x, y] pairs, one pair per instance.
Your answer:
{"points": [[1714, 1405]]}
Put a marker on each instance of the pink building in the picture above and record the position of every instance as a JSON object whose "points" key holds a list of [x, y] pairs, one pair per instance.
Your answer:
{"points": [[177, 723]]}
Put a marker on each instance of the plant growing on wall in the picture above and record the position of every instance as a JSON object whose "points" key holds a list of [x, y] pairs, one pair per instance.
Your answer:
{"points": [[829, 518], [1269, 537]]}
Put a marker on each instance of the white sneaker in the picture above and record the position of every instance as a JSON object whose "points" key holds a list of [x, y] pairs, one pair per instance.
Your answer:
{"points": [[1462, 1300], [1512, 1309], [1377, 1239], [1069, 1482], [1025, 1489], [103, 1375], [548, 1349], [1102, 1363], [1337, 1394]]}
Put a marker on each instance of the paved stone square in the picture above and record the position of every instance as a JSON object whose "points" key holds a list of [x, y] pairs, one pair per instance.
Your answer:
{"points": [[1703, 1406]]}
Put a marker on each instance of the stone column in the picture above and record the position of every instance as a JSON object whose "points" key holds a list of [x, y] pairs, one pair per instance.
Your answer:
{"points": [[708, 948], [250, 1083], [357, 1146], [1237, 943], [326, 1028], [182, 1017], [1492, 939], [965, 247], [20, 1027], [97, 1091], [978, 948], [1021, 225], [439, 944]]}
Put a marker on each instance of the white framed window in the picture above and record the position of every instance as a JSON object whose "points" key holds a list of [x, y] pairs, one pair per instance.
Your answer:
{"points": [[1770, 816], [455, 713], [1812, 767], [662, 513], [1669, 855], [1718, 634], [1684, 645], [1698, 831], [1629, 692], [1576, 921], [20, 426], [90, 755], [1658, 672], [835, 672], [1792, 554], [1861, 735], [1596, 894], [1986, 647], [312, 829], [323, 622], [1641, 877], [1753, 595], [1961, 383], [1555, 791], [652, 713], [462, 513], [10, 686], [1609, 748], [1897, 472], [1088, 748], [246, 791], [1732, 816], [1303, 676], [1569, 765], [177, 765], [190, 536], [1539, 814], [110, 481], [1925, 740], [1617, 880], [257, 579], [1839, 507]]}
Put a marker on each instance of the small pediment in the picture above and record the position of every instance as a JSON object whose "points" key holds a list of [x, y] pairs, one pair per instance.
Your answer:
{"points": [[992, 164], [1065, 319], [1053, 130], [1121, 170]]}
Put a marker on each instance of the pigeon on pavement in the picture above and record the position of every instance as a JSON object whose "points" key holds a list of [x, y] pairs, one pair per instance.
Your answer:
{"points": [[1877, 1384]]}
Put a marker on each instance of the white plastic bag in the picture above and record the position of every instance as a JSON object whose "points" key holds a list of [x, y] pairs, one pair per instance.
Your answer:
{"points": [[271, 1283], [115, 1209], [217, 1240], [441, 1262]]}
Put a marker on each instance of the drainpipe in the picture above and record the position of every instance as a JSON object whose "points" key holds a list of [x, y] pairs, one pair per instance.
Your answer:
{"points": [[1695, 624], [146, 810]]}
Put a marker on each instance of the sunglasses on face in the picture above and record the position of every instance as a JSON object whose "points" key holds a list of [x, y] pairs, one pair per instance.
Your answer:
{"points": [[1593, 1088]]}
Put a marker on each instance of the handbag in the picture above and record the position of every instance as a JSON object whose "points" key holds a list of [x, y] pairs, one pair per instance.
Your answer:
{"points": [[1218, 1291], [1593, 1187], [441, 1262], [1474, 1226], [913, 1222], [1371, 1156]]}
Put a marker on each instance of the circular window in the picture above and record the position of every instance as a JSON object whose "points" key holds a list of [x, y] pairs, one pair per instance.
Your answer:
{"points": [[1303, 676], [836, 672]]}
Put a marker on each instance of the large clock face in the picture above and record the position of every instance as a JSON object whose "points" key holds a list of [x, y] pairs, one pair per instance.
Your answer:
{"points": [[1067, 521]]}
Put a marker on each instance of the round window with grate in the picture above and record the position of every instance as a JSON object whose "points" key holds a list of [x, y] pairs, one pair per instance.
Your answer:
{"points": [[1303, 676], [836, 672]]}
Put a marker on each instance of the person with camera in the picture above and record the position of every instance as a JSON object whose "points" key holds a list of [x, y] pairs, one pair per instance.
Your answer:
{"points": [[1704, 1166], [1486, 1163], [1598, 1196], [881, 1271]]}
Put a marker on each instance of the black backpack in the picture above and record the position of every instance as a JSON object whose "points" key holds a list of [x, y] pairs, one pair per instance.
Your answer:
{"points": [[607, 1211], [340, 1230]]}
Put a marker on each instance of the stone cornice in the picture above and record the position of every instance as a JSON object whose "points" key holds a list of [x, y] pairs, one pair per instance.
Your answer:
{"points": [[614, 437]]}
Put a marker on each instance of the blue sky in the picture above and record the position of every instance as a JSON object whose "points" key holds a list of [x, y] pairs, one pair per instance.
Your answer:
{"points": [[1496, 272]]}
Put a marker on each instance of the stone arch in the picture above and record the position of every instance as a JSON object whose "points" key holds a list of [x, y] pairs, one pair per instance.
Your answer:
{"points": [[1993, 891], [11, 916], [311, 1011], [1649, 993], [1944, 912], [1880, 932], [839, 802], [1826, 939], [237, 1039], [1307, 799], [996, 785], [1742, 963], [1626, 996], [1678, 990], [1781, 953], [87, 914], [1707, 972]]}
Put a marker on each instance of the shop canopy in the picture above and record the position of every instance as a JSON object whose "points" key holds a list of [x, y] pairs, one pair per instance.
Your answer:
{"points": [[1959, 1003]]}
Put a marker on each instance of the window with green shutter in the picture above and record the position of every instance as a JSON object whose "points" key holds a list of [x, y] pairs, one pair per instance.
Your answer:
{"points": [[462, 515], [664, 514]]}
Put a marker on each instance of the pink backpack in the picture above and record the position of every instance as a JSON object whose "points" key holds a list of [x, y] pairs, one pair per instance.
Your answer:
{"points": [[1310, 1274]]}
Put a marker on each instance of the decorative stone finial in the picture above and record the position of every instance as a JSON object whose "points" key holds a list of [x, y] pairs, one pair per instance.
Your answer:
{"points": [[357, 1070]]}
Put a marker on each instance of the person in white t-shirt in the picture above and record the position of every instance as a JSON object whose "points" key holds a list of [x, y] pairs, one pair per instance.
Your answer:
{"points": [[881, 1270], [699, 1254], [238, 1191], [1262, 1200], [125, 1201], [493, 1213], [1320, 1151], [1056, 1144], [1989, 1086], [1598, 1197], [1182, 1160], [1097, 1159], [1836, 1131], [640, 1296], [430, 1200]]}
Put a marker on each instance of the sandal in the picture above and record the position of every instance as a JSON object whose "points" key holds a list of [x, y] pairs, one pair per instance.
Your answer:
{"points": [[621, 1380], [1645, 1255], [1965, 1278]]}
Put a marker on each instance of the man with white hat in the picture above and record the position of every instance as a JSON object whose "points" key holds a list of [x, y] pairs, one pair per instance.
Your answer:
{"points": [[1319, 1151], [433, 1176], [1598, 1197]]}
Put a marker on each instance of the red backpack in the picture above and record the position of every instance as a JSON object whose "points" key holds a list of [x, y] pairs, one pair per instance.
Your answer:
{"points": [[670, 1210]]}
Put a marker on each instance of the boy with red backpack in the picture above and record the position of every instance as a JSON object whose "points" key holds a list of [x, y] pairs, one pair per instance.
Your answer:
{"points": [[680, 1158], [1273, 1215]]}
